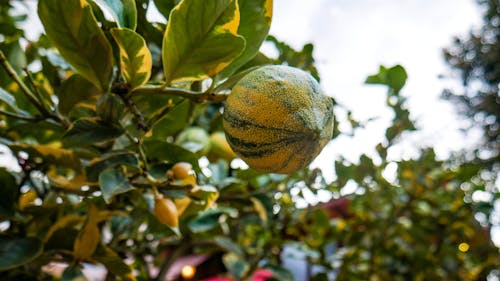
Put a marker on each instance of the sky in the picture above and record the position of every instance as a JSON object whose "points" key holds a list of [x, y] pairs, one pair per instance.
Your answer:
{"points": [[352, 38]]}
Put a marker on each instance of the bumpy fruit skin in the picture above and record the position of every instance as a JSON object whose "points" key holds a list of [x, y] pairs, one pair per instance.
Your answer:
{"points": [[277, 120], [166, 211]]}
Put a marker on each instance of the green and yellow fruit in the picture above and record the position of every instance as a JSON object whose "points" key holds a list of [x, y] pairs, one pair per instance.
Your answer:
{"points": [[166, 211], [277, 119]]}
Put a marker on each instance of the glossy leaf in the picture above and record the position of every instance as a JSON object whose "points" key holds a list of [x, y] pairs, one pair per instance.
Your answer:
{"points": [[172, 153], [208, 219], [135, 57], [113, 262], [10, 101], [112, 183], [73, 29], [201, 39], [97, 165], [73, 274], [165, 6], [76, 90], [89, 236], [15, 252], [110, 108], [8, 193], [124, 12], [90, 131], [255, 22], [229, 245]]}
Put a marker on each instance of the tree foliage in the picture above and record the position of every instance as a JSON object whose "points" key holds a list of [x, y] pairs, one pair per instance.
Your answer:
{"points": [[103, 115], [476, 58]]}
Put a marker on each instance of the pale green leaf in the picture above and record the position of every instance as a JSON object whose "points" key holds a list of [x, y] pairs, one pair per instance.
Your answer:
{"points": [[73, 29], [91, 130], [254, 25], [112, 183], [135, 57], [124, 12], [201, 39]]}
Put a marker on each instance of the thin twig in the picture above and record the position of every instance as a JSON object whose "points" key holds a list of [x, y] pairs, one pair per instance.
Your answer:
{"points": [[27, 92], [37, 93]]}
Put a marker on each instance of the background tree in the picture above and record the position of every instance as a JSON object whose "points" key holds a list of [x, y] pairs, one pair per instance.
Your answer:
{"points": [[115, 123], [476, 58]]}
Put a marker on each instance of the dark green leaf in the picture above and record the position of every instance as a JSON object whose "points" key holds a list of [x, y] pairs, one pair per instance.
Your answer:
{"points": [[235, 265], [110, 108], [113, 262], [135, 57], [97, 165], [165, 6], [73, 274], [169, 152], [8, 193], [280, 273], [90, 131], [201, 39], [15, 252], [124, 12], [76, 90], [255, 21], [208, 219], [112, 183], [73, 29]]}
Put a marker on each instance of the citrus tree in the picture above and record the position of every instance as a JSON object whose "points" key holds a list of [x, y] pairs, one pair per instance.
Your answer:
{"points": [[124, 150]]}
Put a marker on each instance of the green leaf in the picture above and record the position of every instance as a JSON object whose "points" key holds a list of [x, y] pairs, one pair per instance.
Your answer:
{"points": [[110, 108], [169, 152], [73, 274], [201, 39], [165, 6], [113, 262], [235, 265], [135, 57], [49, 154], [255, 21], [76, 90], [209, 219], [90, 130], [8, 193], [112, 183], [394, 77], [97, 165], [15, 252], [73, 29], [124, 12], [280, 273], [8, 99], [229, 245]]}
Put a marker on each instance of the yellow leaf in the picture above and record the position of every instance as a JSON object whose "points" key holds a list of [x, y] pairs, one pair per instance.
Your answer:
{"points": [[89, 237], [27, 199], [260, 209]]}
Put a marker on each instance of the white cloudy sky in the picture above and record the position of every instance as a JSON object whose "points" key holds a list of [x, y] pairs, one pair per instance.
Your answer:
{"points": [[352, 38]]}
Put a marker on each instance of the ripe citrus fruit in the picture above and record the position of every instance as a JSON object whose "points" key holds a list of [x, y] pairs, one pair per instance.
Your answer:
{"points": [[277, 119]]}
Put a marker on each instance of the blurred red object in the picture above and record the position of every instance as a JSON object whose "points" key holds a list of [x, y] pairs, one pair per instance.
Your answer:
{"points": [[259, 275]]}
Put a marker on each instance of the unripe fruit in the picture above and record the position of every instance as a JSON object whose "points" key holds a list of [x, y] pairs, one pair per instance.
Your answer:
{"points": [[166, 211], [219, 148], [277, 119], [182, 170]]}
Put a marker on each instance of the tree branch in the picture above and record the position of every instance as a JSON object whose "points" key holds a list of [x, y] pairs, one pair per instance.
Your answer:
{"points": [[192, 95]]}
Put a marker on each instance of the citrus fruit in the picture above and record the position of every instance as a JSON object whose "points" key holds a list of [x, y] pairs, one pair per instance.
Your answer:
{"points": [[219, 148], [277, 119]]}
